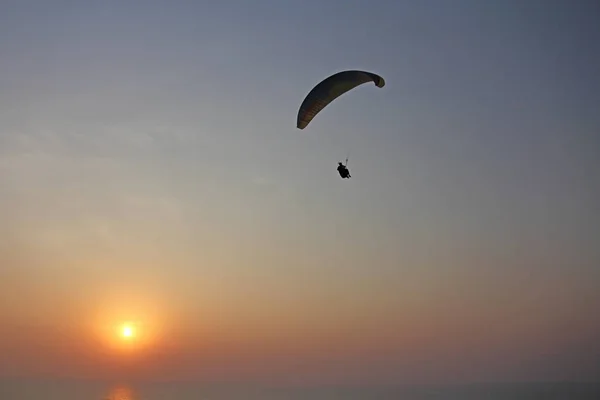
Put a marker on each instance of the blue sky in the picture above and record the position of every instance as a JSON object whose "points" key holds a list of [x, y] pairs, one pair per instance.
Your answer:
{"points": [[155, 143]]}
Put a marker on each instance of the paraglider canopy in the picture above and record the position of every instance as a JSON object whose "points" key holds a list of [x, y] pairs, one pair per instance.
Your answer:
{"points": [[331, 88]]}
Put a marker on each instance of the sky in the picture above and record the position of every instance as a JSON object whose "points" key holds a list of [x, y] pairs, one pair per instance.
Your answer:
{"points": [[151, 174]]}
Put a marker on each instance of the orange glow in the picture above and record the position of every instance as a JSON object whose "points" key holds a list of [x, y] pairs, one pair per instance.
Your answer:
{"points": [[128, 331], [129, 335]]}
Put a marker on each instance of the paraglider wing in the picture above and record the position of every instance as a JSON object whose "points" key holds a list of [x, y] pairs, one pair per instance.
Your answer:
{"points": [[330, 89]]}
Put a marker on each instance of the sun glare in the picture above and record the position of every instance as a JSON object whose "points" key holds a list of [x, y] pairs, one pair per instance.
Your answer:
{"points": [[127, 331]]}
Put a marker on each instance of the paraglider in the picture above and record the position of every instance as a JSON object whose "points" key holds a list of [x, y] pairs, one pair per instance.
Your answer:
{"points": [[343, 170], [328, 90]]}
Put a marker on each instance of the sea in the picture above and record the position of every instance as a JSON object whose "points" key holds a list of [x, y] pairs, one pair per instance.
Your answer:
{"points": [[22, 389]]}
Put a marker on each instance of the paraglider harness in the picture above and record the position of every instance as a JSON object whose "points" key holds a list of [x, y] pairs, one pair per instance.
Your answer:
{"points": [[343, 170]]}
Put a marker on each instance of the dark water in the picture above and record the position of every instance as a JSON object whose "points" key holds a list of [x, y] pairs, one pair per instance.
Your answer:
{"points": [[70, 390]]}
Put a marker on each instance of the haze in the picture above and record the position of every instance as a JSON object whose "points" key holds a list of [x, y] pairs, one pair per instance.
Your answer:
{"points": [[151, 174]]}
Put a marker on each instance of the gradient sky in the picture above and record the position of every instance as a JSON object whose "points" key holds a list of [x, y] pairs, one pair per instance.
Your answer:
{"points": [[151, 171]]}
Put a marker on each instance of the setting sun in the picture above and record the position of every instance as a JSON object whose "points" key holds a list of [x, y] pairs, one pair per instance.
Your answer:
{"points": [[127, 331], [121, 327]]}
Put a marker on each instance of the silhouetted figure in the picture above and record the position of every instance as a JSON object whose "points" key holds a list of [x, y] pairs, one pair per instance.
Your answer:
{"points": [[343, 171]]}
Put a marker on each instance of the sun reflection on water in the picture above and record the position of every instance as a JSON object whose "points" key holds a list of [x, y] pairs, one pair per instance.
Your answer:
{"points": [[121, 393]]}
